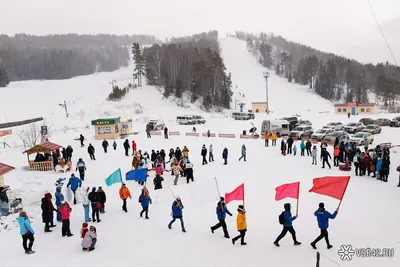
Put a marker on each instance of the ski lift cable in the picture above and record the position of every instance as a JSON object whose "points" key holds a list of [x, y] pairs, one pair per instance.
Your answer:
{"points": [[383, 35]]}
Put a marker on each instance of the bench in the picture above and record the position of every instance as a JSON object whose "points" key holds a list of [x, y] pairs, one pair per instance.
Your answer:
{"points": [[193, 134], [211, 135], [226, 135]]}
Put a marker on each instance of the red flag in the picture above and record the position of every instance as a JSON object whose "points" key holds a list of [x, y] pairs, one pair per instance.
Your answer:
{"points": [[333, 186], [287, 190], [237, 194]]}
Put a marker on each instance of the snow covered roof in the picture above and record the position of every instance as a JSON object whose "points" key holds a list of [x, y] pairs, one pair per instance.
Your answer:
{"points": [[44, 147], [5, 168]]}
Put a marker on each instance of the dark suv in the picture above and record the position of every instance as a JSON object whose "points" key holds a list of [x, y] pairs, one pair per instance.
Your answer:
{"points": [[367, 121], [395, 122]]}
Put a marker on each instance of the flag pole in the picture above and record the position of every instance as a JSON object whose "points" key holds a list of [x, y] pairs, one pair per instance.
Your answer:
{"points": [[172, 192], [340, 203], [298, 198], [216, 183]]}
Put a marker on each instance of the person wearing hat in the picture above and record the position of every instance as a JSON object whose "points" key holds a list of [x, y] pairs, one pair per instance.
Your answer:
{"points": [[287, 226], [47, 212], [221, 211], [204, 154], [26, 232], [91, 151], [177, 207], [188, 169], [124, 193], [59, 198], [81, 167], [74, 183], [102, 200], [90, 239], [86, 203], [4, 207], [95, 204], [323, 223], [241, 225]]}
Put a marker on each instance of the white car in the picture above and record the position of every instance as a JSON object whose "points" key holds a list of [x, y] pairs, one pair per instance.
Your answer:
{"points": [[359, 138], [321, 133], [337, 126], [354, 127], [301, 131]]}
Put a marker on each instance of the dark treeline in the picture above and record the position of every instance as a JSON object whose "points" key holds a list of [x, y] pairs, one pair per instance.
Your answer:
{"points": [[335, 78], [189, 64], [27, 57]]}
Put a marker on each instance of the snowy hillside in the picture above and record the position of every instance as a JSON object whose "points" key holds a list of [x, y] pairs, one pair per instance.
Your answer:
{"points": [[367, 217]]}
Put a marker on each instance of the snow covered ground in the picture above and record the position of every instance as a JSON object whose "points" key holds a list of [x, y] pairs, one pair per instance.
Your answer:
{"points": [[368, 217]]}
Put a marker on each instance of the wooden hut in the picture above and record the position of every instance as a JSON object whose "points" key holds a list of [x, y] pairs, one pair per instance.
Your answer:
{"points": [[3, 170], [45, 161]]}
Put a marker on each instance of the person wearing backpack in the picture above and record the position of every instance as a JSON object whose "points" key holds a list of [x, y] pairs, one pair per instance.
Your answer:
{"points": [[323, 223], [286, 220], [95, 203]]}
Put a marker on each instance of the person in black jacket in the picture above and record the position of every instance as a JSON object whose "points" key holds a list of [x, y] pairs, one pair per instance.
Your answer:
{"points": [[153, 158], [91, 151], [105, 145], [82, 138], [204, 154], [283, 147], [102, 199], [308, 147], [64, 153], [188, 169], [325, 156], [69, 151], [385, 168], [158, 182], [126, 147], [289, 145], [94, 201], [162, 154], [225, 156], [178, 153], [47, 212], [165, 132]]}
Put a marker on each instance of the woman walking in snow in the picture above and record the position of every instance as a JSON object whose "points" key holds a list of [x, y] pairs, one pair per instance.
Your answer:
{"points": [[26, 232], [243, 151], [145, 201], [241, 225]]}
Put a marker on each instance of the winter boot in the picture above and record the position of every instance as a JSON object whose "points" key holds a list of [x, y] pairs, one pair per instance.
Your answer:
{"points": [[91, 249], [233, 241], [296, 243], [84, 249], [184, 230], [313, 245], [243, 243], [212, 230], [276, 244], [169, 226], [330, 246]]}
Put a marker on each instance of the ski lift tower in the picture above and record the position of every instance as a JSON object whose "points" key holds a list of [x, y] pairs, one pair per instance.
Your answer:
{"points": [[266, 76]]}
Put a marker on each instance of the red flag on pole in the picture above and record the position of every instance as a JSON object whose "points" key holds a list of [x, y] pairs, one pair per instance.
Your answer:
{"points": [[237, 194], [287, 190], [332, 186]]}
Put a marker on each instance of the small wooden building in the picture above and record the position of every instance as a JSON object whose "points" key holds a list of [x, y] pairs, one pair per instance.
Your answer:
{"points": [[46, 162], [110, 129], [259, 107], [356, 108], [3, 170]]}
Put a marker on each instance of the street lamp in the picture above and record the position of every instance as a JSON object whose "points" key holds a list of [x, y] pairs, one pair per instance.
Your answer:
{"points": [[266, 76]]}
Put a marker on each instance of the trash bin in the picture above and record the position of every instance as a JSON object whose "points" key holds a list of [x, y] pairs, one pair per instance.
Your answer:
{"points": [[244, 132]]}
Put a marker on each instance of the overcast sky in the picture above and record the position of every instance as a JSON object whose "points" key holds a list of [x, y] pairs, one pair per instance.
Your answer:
{"points": [[345, 27]]}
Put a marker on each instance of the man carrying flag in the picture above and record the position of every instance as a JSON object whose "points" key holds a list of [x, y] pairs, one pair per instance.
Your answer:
{"points": [[222, 210], [323, 223], [287, 226]]}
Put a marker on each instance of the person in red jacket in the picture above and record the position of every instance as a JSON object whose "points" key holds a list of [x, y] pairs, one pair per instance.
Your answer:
{"points": [[133, 147], [65, 211], [367, 163]]}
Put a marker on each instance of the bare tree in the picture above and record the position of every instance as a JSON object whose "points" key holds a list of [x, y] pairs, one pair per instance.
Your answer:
{"points": [[30, 135]]}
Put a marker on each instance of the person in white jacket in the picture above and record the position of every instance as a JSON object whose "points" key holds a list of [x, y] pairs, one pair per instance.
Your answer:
{"points": [[86, 203], [90, 239]]}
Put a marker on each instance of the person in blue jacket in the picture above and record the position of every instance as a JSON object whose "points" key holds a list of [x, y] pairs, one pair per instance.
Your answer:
{"points": [[323, 223], [177, 207], [302, 147], [221, 211], [26, 232], [59, 199], [74, 182], [145, 201], [287, 226]]}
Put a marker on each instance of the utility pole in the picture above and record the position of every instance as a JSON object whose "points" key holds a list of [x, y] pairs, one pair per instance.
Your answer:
{"points": [[266, 76]]}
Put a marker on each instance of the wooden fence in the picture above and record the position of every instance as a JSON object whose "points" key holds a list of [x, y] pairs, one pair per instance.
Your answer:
{"points": [[41, 166]]}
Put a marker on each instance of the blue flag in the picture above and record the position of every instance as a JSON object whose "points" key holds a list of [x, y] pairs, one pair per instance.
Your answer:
{"points": [[115, 177], [137, 175]]}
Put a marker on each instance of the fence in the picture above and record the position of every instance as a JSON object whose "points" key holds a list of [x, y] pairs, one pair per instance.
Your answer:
{"points": [[19, 123], [249, 136], [193, 134], [226, 135], [206, 135], [41, 166], [174, 133], [155, 133]]}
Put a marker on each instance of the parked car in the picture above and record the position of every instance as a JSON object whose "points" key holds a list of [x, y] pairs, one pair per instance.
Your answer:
{"points": [[354, 127], [373, 129], [275, 126], [198, 119], [395, 122], [367, 121], [155, 125], [292, 120], [332, 136], [301, 131], [337, 126], [382, 122], [321, 133], [359, 138], [304, 122], [241, 116], [185, 120]]}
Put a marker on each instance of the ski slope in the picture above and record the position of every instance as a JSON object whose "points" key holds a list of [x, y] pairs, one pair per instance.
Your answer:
{"points": [[368, 216]]}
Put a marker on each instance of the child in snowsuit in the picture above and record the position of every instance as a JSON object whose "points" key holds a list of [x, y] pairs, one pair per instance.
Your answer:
{"points": [[241, 225], [294, 149], [90, 239], [145, 200]]}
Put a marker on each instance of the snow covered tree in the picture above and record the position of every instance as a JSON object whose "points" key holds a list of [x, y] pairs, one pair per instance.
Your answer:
{"points": [[139, 63]]}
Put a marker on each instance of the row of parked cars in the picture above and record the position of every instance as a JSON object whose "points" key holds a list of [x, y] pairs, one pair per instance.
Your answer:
{"points": [[190, 120], [382, 122]]}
